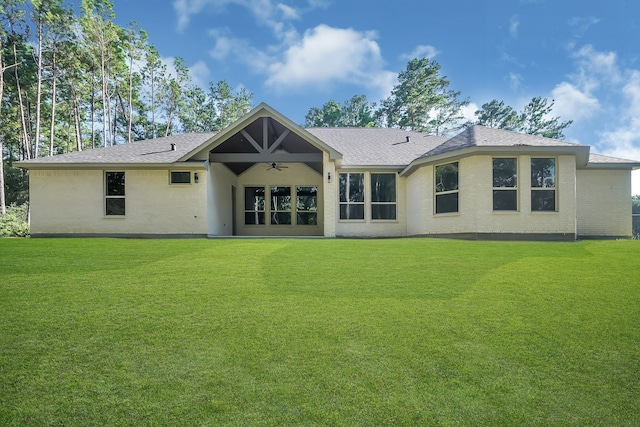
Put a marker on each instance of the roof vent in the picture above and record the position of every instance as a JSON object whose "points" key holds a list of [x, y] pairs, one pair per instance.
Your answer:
{"points": [[173, 147], [408, 138]]}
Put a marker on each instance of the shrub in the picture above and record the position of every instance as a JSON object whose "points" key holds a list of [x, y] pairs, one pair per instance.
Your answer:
{"points": [[14, 223]]}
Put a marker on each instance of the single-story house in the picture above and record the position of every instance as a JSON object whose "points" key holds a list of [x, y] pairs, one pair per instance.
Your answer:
{"points": [[266, 176]]}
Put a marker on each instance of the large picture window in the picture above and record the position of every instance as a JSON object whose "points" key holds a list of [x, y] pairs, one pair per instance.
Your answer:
{"points": [[280, 205], [351, 195], [446, 188], [114, 194], [254, 205], [543, 184], [383, 196], [307, 205], [505, 184]]}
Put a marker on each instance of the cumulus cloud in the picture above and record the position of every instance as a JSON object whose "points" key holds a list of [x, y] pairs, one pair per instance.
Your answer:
{"points": [[328, 55], [574, 103], [421, 51]]}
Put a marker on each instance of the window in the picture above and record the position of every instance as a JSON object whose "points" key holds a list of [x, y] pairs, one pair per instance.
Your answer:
{"points": [[446, 188], [280, 205], [180, 177], [383, 196], [307, 205], [351, 195], [254, 205], [543, 184], [114, 193], [505, 184]]}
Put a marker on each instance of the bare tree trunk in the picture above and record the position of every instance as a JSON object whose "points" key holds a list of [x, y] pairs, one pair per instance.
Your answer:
{"points": [[130, 116], [3, 203], [76, 116], [25, 134], [53, 105], [38, 90]]}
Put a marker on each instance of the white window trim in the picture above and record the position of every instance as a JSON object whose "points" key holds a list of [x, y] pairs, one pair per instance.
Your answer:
{"points": [[516, 188], [442, 193]]}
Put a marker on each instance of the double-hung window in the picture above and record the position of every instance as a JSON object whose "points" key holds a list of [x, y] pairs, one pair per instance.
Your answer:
{"points": [[383, 196], [543, 184], [505, 184], [114, 194], [446, 188], [280, 205], [254, 205], [351, 195], [307, 205]]}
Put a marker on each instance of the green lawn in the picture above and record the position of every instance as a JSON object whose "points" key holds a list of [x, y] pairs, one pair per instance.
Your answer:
{"points": [[319, 332]]}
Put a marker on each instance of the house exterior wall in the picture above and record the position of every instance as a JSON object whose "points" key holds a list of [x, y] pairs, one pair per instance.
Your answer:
{"points": [[296, 174], [220, 184], [73, 202], [476, 215], [604, 204], [369, 227]]}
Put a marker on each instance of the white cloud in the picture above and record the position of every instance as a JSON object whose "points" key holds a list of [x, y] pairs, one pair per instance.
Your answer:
{"points": [[469, 110], [421, 51], [573, 103], [515, 81], [327, 55], [514, 25], [199, 73], [272, 15]]}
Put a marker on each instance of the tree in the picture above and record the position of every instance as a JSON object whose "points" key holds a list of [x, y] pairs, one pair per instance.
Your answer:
{"points": [[495, 114], [421, 100], [534, 118], [355, 112]]}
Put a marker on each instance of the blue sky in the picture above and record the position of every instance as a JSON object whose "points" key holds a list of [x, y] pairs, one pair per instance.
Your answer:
{"points": [[298, 54]]}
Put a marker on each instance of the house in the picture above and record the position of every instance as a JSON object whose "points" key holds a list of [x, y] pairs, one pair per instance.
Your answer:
{"points": [[266, 176]]}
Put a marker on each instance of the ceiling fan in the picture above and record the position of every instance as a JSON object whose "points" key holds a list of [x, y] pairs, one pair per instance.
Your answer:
{"points": [[276, 166]]}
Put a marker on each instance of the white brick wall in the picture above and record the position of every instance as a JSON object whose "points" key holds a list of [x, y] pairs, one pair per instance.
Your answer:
{"points": [[604, 203], [72, 201], [476, 213]]}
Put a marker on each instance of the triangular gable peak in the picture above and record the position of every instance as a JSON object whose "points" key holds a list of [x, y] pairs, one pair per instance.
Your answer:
{"points": [[264, 136]]}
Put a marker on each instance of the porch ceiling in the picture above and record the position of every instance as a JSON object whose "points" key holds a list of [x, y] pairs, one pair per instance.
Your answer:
{"points": [[265, 140]]}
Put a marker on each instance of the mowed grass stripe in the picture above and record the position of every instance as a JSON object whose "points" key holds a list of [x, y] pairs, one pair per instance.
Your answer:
{"points": [[318, 332]]}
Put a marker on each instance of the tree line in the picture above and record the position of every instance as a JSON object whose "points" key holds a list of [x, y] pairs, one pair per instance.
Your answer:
{"points": [[71, 79], [423, 101]]}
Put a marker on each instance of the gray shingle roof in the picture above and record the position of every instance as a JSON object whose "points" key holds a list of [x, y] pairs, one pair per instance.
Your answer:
{"points": [[376, 146], [480, 136], [149, 151], [602, 159]]}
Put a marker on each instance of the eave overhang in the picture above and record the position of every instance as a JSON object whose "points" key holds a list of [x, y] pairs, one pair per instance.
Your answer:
{"points": [[580, 152], [188, 165]]}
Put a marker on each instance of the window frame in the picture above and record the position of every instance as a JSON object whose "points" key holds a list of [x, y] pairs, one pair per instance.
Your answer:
{"points": [[274, 212], [348, 203], [445, 193], [312, 212], [377, 203], [256, 212], [172, 172], [543, 187], [505, 189], [110, 197]]}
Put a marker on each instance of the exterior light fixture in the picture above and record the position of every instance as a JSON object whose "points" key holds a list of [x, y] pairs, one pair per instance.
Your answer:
{"points": [[328, 176], [195, 177]]}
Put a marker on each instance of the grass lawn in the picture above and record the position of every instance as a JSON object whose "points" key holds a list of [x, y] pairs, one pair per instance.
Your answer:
{"points": [[319, 332]]}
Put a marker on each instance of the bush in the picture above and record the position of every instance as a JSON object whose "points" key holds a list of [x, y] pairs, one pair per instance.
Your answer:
{"points": [[14, 223]]}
